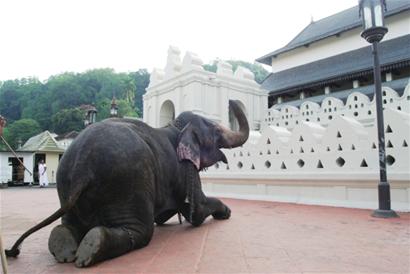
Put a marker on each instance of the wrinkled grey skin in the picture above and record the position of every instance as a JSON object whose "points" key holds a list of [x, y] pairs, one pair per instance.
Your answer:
{"points": [[121, 176]]}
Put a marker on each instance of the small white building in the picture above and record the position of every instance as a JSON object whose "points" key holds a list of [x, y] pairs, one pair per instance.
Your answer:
{"points": [[42, 146], [185, 85], [12, 171], [65, 140]]}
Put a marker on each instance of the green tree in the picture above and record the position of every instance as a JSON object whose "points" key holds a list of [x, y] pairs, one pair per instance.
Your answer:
{"points": [[141, 80], [10, 100], [39, 109], [66, 92], [103, 109], [67, 120], [210, 67], [28, 98], [36, 103], [21, 130], [3, 146], [126, 108]]}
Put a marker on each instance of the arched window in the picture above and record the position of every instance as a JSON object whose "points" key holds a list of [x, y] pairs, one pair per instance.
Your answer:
{"points": [[166, 113]]}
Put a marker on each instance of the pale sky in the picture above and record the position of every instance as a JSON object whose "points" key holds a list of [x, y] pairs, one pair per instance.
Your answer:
{"points": [[45, 37]]}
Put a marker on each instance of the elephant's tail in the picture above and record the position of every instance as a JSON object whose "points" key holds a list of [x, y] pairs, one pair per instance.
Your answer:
{"points": [[15, 250]]}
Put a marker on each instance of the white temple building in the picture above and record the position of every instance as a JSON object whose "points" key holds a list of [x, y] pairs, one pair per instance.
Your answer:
{"points": [[314, 138], [327, 70], [329, 162]]}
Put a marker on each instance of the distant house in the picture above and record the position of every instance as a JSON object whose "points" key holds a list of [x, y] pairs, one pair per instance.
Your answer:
{"points": [[12, 171], [43, 146], [65, 140]]}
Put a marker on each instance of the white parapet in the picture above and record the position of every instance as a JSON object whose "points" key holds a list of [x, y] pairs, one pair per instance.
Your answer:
{"points": [[224, 68], [244, 74], [174, 65], [334, 165], [357, 106], [191, 61], [157, 75]]}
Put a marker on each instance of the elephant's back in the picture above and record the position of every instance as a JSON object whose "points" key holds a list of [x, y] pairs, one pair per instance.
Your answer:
{"points": [[112, 158]]}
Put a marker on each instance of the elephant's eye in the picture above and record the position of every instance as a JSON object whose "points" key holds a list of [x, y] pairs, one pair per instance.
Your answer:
{"points": [[197, 138], [218, 134]]}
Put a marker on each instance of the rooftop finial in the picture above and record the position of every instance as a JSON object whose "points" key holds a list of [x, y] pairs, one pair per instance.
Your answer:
{"points": [[114, 106]]}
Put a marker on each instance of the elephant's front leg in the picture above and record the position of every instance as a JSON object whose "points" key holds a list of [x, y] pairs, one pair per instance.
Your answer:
{"points": [[221, 211], [201, 211], [200, 206]]}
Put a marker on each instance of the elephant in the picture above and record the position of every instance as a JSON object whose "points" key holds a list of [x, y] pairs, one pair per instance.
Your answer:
{"points": [[120, 177]]}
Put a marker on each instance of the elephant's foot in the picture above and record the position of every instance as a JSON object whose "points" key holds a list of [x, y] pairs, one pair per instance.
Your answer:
{"points": [[62, 244], [222, 215], [91, 248]]}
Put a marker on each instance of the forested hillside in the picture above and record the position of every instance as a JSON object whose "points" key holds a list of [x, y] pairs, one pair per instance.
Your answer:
{"points": [[31, 106]]}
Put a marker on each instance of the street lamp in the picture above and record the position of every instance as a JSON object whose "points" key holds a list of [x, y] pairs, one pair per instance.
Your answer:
{"points": [[90, 114], [372, 13], [114, 107]]}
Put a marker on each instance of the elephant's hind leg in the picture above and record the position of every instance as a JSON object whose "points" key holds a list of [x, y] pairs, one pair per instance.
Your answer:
{"points": [[121, 235], [102, 243], [65, 238], [63, 243]]}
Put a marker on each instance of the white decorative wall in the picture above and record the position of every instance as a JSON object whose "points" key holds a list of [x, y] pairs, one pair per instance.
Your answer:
{"points": [[185, 85], [321, 161], [345, 145]]}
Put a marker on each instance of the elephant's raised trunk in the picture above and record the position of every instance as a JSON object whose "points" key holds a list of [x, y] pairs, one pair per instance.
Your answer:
{"points": [[231, 138]]}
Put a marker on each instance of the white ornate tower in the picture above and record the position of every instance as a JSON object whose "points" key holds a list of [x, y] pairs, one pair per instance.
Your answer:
{"points": [[185, 85]]}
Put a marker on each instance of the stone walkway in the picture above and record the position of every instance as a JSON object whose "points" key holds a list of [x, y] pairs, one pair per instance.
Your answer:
{"points": [[260, 237]]}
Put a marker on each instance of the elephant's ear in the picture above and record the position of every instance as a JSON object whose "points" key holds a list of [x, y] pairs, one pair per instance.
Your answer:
{"points": [[188, 146]]}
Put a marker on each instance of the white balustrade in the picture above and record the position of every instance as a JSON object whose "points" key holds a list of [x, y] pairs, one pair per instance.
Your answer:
{"points": [[358, 106]]}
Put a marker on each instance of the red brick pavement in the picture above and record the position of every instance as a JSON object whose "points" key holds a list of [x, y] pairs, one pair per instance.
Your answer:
{"points": [[260, 237]]}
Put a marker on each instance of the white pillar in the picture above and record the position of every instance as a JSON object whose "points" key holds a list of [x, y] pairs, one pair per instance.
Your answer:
{"points": [[389, 76], [356, 84], [327, 89]]}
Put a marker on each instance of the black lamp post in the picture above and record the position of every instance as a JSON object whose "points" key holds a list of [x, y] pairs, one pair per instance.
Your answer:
{"points": [[372, 12]]}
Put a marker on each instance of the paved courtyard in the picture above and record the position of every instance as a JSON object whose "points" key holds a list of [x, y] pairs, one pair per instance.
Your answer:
{"points": [[260, 237]]}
